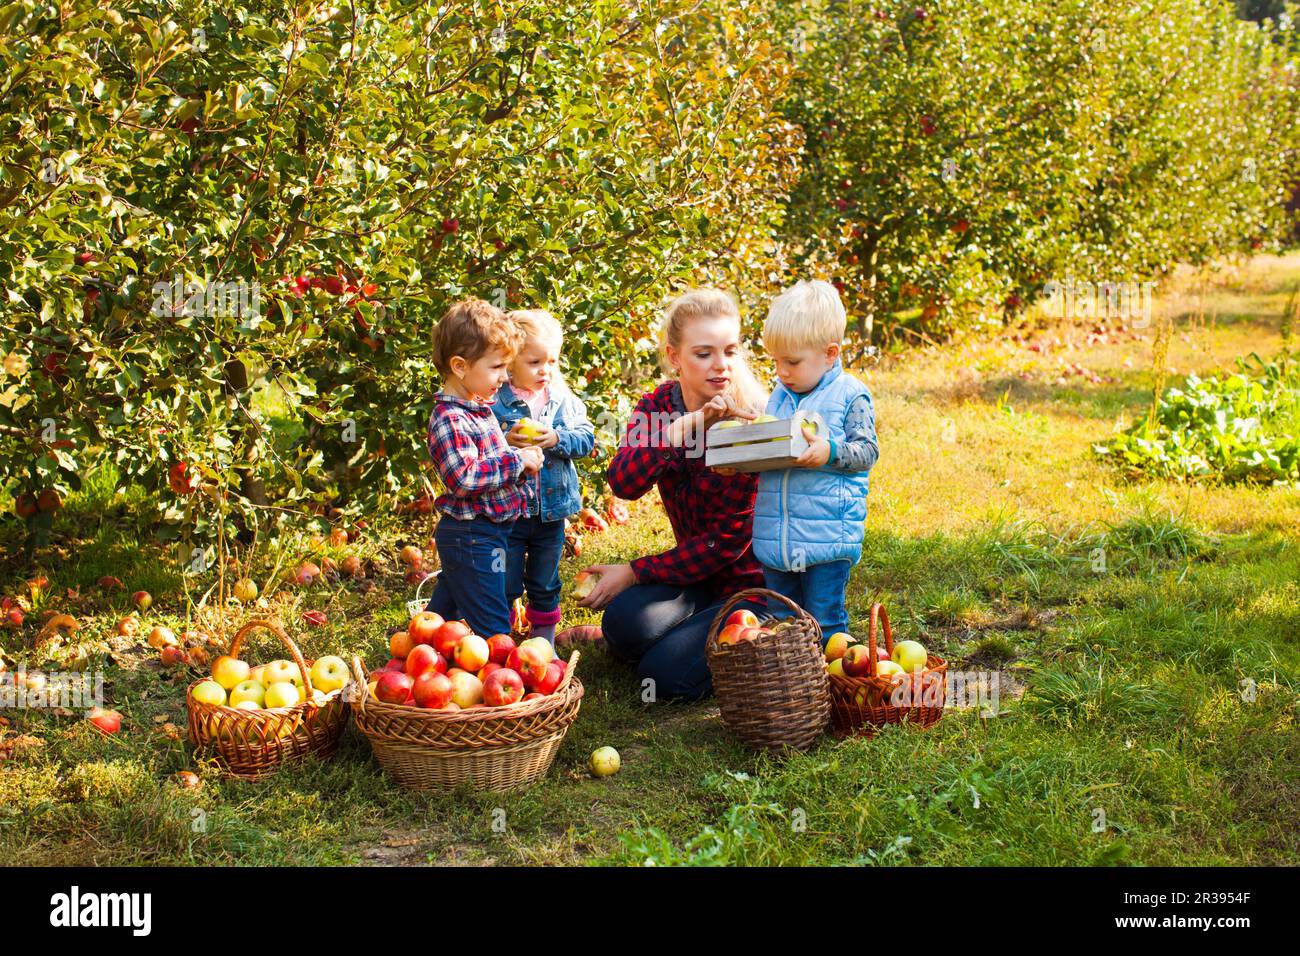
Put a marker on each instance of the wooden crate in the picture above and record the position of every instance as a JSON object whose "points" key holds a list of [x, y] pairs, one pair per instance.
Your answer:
{"points": [[763, 447]]}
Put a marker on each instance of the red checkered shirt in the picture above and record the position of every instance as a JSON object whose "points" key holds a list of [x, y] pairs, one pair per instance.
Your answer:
{"points": [[482, 474], [712, 515]]}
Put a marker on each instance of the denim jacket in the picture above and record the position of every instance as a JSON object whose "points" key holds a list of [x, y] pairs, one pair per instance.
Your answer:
{"points": [[556, 494]]}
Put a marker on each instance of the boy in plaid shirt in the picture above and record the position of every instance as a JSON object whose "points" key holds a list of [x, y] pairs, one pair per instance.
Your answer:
{"points": [[487, 481]]}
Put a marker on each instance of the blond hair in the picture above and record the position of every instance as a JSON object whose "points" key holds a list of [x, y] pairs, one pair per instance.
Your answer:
{"points": [[471, 328], [745, 389], [809, 314], [539, 324]]}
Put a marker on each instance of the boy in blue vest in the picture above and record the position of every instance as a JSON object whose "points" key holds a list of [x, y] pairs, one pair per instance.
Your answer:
{"points": [[808, 519]]}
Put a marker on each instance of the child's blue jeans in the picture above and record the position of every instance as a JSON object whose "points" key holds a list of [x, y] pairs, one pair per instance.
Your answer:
{"points": [[533, 562], [474, 555], [819, 590]]}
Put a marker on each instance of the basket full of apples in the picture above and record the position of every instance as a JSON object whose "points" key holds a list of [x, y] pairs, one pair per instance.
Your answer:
{"points": [[451, 707], [875, 684], [255, 718], [768, 676]]}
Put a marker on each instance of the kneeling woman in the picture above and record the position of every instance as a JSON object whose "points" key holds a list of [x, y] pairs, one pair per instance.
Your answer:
{"points": [[658, 608]]}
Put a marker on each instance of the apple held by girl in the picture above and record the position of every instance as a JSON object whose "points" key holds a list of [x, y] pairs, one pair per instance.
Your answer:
{"points": [[443, 665]]}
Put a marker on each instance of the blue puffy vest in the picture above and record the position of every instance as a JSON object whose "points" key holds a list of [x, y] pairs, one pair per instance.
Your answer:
{"points": [[806, 516]]}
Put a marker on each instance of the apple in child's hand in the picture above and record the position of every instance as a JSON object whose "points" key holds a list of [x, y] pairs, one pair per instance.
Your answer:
{"points": [[393, 688], [857, 661], [499, 648], [432, 690], [503, 687], [448, 636], [424, 627], [472, 653], [529, 429]]}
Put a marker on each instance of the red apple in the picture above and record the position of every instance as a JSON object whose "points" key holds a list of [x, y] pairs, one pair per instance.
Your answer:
{"points": [[488, 670], [396, 664], [143, 600], [503, 687], [532, 666], [731, 634], [533, 695], [857, 661], [881, 653], [411, 557], [174, 657], [423, 658], [394, 688], [432, 690], [499, 648], [448, 636], [424, 628], [743, 619], [109, 721], [400, 644], [554, 674]]}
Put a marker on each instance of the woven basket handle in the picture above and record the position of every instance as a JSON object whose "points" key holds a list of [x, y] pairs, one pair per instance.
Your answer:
{"points": [[363, 688], [740, 597], [278, 631], [569, 668], [878, 611]]}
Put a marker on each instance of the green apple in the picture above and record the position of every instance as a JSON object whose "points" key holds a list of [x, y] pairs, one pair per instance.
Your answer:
{"points": [[279, 671], [210, 692], [909, 655], [283, 694], [248, 690], [888, 669], [329, 673], [604, 762], [229, 672], [729, 423]]}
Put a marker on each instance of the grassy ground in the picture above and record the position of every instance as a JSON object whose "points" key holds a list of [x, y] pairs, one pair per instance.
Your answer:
{"points": [[1147, 637]]}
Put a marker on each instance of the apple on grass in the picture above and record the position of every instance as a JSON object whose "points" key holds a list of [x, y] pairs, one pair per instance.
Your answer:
{"points": [[210, 692], [230, 671], [108, 721], [503, 687], [431, 690], [604, 762], [329, 674]]}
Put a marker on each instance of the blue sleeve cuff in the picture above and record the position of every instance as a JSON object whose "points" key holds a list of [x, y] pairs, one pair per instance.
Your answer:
{"points": [[834, 451]]}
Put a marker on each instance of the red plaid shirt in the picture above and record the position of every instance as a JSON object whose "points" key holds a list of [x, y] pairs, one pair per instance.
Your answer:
{"points": [[712, 515], [483, 475]]}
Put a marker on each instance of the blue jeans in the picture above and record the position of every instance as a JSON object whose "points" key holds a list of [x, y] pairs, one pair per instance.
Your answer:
{"points": [[472, 583], [533, 562], [662, 629], [819, 590]]}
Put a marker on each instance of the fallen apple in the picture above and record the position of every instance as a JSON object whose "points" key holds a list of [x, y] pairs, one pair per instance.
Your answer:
{"points": [[143, 600], [245, 590], [411, 556], [161, 637], [108, 721], [604, 762]]}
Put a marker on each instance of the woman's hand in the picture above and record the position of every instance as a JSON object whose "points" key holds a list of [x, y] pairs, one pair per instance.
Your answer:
{"points": [[614, 580], [704, 418]]}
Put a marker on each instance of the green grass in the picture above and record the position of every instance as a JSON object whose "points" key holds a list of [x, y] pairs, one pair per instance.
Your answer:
{"points": [[1145, 636]]}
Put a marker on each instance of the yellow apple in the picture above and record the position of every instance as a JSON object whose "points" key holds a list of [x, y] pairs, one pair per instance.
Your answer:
{"points": [[279, 671], [210, 692], [248, 705], [258, 674], [329, 673], [837, 644], [230, 672], [584, 582], [888, 669], [604, 762], [909, 656], [248, 690], [544, 648], [283, 694], [729, 423], [836, 667], [466, 690], [530, 429]]}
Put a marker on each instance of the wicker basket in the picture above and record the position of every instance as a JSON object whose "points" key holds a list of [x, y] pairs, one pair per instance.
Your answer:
{"points": [[251, 743], [861, 704], [493, 749], [772, 691]]}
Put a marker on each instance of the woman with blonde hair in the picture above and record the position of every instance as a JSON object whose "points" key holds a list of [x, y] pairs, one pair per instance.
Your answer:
{"points": [[658, 607]]}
